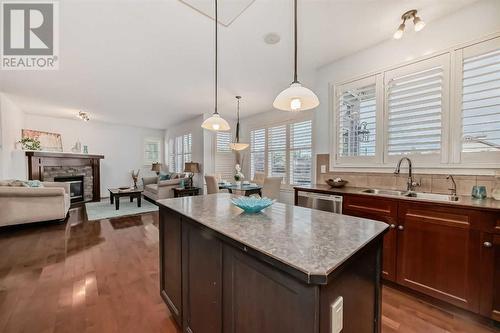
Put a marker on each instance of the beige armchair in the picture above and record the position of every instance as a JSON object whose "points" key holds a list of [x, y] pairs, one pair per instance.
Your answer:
{"points": [[20, 205], [271, 187]]}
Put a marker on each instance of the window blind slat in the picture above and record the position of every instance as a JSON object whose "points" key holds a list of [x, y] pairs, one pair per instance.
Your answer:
{"points": [[481, 100], [414, 112]]}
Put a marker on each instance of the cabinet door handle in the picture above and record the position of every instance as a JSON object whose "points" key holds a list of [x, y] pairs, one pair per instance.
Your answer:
{"points": [[392, 226], [400, 227], [487, 244]]}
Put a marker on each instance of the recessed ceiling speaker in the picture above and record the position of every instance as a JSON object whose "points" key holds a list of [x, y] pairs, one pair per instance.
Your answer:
{"points": [[272, 38]]}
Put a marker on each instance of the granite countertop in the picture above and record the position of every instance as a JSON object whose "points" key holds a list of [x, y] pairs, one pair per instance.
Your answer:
{"points": [[312, 242], [463, 201]]}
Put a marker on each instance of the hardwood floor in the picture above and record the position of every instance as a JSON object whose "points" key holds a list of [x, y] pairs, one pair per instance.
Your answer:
{"points": [[102, 276]]}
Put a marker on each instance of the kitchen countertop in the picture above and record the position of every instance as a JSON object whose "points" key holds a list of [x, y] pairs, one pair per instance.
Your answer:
{"points": [[310, 241], [463, 201]]}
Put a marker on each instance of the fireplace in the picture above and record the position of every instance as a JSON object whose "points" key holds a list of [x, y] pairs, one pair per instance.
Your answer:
{"points": [[76, 188]]}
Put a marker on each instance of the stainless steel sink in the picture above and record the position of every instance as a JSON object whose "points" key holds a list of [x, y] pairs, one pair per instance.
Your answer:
{"points": [[432, 196], [384, 192], [416, 195]]}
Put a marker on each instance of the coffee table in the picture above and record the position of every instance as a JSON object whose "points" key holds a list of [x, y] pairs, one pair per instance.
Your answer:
{"points": [[115, 194]]}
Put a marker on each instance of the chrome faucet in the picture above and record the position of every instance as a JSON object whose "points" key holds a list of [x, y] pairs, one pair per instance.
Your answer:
{"points": [[454, 188], [410, 184]]}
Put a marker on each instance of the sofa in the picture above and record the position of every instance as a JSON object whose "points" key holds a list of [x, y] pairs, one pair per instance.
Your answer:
{"points": [[156, 189], [20, 204]]}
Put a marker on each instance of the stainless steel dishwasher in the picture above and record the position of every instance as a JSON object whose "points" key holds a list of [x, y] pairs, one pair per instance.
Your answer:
{"points": [[327, 202]]}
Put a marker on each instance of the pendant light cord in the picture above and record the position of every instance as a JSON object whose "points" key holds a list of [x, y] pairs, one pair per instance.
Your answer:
{"points": [[216, 44], [295, 42], [238, 122]]}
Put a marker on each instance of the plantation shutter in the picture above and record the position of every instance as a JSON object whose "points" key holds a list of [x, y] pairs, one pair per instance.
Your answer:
{"points": [[187, 144], [224, 157], [257, 151], [481, 99], [171, 155], [356, 116], [276, 145], [415, 104], [301, 153]]}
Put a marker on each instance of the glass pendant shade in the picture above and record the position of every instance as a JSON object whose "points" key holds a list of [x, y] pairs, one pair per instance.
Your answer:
{"points": [[216, 123], [238, 146], [296, 98]]}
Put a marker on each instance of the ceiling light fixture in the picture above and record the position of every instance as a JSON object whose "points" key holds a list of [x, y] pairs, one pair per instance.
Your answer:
{"points": [[418, 23], [83, 116], [216, 122], [296, 97], [236, 145]]}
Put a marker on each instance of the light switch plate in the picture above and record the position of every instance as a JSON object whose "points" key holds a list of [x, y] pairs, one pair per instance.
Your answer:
{"points": [[337, 315], [323, 168]]}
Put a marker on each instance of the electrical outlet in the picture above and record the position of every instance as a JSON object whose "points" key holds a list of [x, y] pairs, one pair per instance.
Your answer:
{"points": [[337, 315], [323, 168]]}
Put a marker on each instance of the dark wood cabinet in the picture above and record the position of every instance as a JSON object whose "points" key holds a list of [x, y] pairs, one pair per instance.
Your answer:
{"points": [[170, 262], [202, 280], [254, 290], [384, 210], [438, 253]]}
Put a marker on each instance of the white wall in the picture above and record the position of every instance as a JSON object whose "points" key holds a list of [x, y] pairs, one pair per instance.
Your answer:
{"points": [[122, 146], [12, 161], [468, 24]]}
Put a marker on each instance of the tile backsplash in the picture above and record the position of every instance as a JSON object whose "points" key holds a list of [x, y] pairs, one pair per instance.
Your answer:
{"points": [[432, 183]]}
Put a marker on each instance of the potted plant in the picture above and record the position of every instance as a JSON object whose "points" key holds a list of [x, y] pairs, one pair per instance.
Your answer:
{"points": [[30, 144]]}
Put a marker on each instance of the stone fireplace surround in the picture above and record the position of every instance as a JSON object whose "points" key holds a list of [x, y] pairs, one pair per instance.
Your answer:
{"points": [[51, 172], [44, 166]]}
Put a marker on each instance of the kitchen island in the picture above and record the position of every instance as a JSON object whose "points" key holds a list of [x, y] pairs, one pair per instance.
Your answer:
{"points": [[286, 269]]}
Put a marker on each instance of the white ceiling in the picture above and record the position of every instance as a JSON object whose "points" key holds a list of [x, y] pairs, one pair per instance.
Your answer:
{"points": [[150, 62]]}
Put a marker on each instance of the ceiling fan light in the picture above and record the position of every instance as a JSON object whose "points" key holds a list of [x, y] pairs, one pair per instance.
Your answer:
{"points": [[216, 123], [419, 24], [296, 98], [399, 33]]}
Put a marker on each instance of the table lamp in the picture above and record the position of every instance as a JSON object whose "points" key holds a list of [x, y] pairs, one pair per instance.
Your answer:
{"points": [[156, 167], [191, 168]]}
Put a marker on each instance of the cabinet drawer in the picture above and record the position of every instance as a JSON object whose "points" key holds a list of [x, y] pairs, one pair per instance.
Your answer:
{"points": [[373, 207]]}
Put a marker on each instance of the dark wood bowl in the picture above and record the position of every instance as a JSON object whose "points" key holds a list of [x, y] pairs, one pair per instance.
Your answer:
{"points": [[333, 183]]}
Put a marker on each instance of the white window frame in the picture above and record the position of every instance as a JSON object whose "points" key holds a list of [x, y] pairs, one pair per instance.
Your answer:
{"points": [[155, 141], [287, 123], [478, 159], [224, 159], [422, 159], [452, 159], [376, 79], [175, 153]]}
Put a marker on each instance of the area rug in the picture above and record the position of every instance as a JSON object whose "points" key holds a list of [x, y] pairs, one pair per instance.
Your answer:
{"points": [[105, 210]]}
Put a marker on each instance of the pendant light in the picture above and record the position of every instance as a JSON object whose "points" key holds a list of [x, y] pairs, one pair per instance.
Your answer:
{"points": [[296, 97], [236, 145], [216, 122]]}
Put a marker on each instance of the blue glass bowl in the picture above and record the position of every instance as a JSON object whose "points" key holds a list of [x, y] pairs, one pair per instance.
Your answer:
{"points": [[252, 204]]}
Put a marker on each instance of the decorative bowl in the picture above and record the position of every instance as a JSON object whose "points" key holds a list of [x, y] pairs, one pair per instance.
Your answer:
{"points": [[337, 184], [252, 204]]}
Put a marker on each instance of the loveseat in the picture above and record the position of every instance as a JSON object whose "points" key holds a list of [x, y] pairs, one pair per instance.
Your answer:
{"points": [[156, 189], [19, 204]]}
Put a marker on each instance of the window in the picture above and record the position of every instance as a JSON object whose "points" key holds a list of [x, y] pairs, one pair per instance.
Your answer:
{"points": [[283, 151], [416, 103], [179, 152], [257, 151], [224, 157], [357, 107], [480, 101], [152, 149], [301, 153]]}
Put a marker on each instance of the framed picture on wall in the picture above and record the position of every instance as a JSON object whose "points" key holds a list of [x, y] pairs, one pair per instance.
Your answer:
{"points": [[48, 141]]}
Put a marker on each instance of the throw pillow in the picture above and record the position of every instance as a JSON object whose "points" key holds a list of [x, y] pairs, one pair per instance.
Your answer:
{"points": [[33, 183], [164, 176]]}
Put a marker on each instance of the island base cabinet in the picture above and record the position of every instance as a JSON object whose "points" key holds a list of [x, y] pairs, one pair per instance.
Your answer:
{"points": [[201, 280], [258, 298], [170, 262]]}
